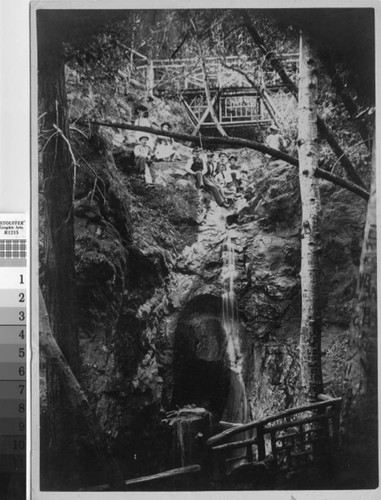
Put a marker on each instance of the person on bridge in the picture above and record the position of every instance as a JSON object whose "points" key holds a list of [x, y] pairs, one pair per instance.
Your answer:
{"points": [[143, 159]]}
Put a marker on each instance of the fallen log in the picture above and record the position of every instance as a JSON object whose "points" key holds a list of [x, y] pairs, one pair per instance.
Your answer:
{"points": [[168, 474], [243, 143]]}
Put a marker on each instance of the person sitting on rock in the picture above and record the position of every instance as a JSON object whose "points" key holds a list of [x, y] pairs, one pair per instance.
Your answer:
{"points": [[244, 177], [143, 159], [222, 160], [196, 166], [210, 165], [143, 120], [235, 171], [210, 183], [165, 146], [224, 180], [223, 173], [275, 140]]}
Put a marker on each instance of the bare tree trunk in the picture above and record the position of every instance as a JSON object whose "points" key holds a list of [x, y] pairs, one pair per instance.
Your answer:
{"points": [[360, 422], [310, 332], [77, 399], [58, 279], [150, 74], [57, 174]]}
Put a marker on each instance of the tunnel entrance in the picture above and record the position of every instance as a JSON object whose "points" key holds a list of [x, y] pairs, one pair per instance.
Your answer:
{"points": [[201, 369]]}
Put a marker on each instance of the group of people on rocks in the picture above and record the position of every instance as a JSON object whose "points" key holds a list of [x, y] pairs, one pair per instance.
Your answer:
{"points": [[223, 177], [147, 151]]}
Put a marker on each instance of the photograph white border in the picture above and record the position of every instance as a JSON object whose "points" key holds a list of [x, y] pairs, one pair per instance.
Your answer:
{"points": [[17, 188]]}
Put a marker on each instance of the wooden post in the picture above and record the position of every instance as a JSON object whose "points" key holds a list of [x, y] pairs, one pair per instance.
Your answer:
{"points": [[273, 444], [186, 78], [261, 443], [336, 408], [249, 453], [310, 331], [219, 81], [150, 77]]}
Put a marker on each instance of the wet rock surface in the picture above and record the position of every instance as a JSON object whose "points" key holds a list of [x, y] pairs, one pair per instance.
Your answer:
{"points": [[149, 286]]}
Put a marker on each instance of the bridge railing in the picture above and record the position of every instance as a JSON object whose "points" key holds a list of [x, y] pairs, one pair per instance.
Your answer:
{"points": [[221, 73], [292, 440]]}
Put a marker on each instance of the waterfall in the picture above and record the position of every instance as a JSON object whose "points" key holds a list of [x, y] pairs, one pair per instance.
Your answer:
{"points": [[236, 409]]}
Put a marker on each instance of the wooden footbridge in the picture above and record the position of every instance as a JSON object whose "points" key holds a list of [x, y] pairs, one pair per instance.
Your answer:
{"points": [[271, 450], [243, 91], [295, 447]]}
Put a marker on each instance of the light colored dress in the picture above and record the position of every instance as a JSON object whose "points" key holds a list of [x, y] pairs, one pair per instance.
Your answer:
{"points": [[164, 148], [275, 141]]}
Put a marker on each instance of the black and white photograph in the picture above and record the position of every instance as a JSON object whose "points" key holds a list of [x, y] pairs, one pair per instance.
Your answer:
{"points": [[205, 261]]}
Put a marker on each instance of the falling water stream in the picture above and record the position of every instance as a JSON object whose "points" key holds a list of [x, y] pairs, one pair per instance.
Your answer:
{"points": [[236, 409]]}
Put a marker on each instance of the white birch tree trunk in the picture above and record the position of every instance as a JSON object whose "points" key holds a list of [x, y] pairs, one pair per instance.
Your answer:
{"points": [[310, 332], [360, 423]]}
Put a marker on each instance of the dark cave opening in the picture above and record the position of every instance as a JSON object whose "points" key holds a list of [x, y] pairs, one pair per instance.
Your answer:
{"points": [[201, 371]]}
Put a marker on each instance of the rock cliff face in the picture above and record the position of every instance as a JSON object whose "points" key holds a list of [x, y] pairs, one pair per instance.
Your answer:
{"points": [[149, 285]]}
